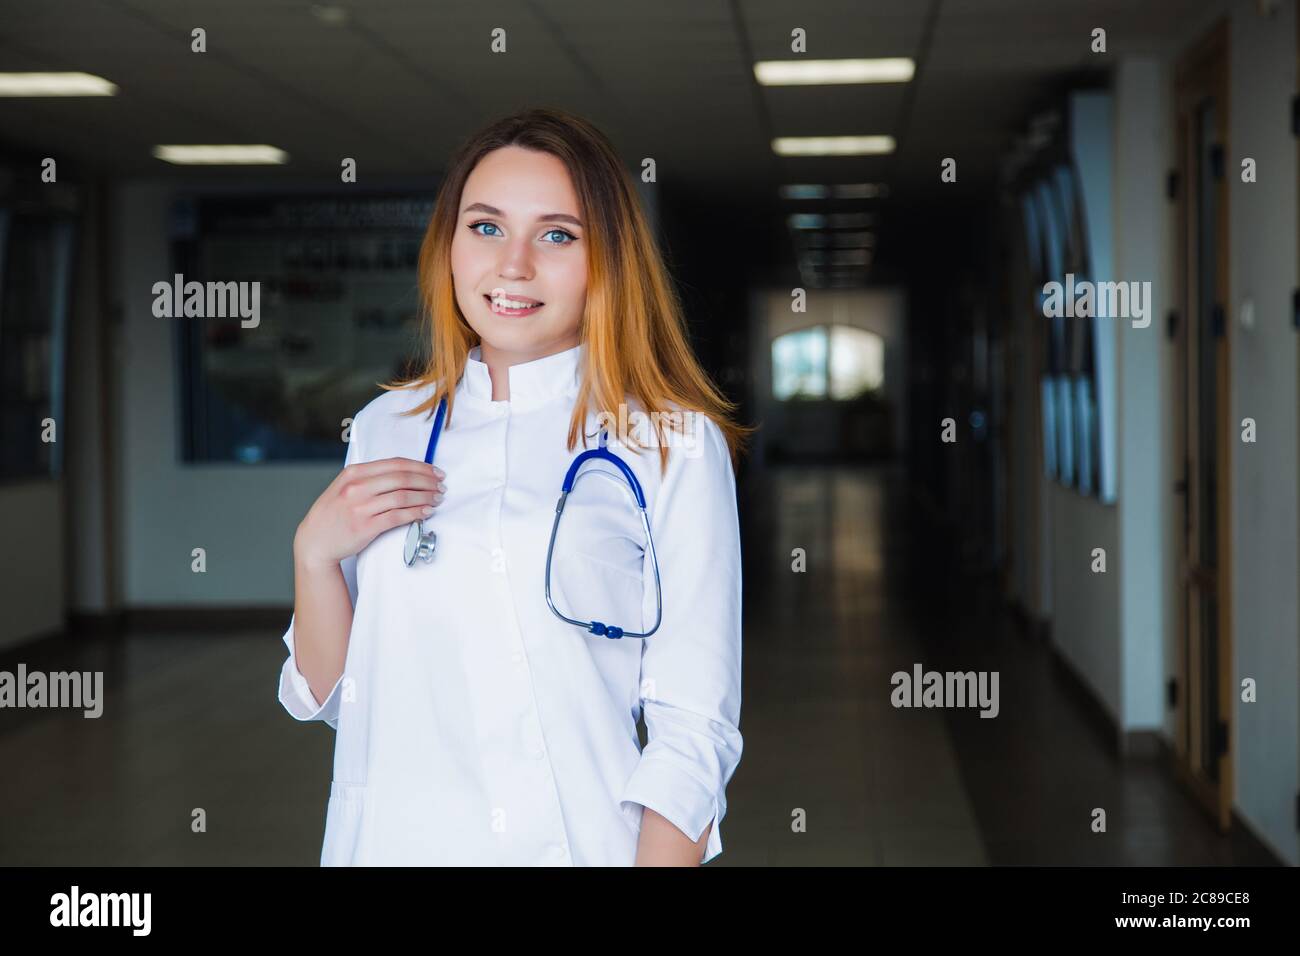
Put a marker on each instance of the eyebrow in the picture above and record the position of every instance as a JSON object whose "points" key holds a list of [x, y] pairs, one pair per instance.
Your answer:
{"points": [[548, 217]]}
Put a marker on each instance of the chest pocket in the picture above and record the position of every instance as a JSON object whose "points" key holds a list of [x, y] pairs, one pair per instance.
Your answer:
{"points": [[600, 568]]}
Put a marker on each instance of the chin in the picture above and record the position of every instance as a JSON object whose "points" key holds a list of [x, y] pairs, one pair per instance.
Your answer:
{"points": [[509, 339]]}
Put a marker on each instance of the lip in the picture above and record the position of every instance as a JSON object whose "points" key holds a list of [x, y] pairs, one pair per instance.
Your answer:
{"points": [[512, 312]]}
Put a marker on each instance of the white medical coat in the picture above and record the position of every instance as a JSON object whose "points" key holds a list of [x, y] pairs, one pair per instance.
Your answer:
{"points": [[473, 727]]}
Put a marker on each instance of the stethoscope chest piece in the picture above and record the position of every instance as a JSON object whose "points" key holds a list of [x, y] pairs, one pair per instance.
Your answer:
{"points": [[419, 543]]}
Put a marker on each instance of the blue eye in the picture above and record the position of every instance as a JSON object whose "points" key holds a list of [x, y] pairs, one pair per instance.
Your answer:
{"points": [[475, 226], [571, 238]]}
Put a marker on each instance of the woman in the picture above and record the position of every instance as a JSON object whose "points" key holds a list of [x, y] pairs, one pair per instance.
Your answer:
{"points": [[474, 726]]}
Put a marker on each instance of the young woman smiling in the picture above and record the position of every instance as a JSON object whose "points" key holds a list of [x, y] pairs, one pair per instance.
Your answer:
{"points": [[474, 724]]}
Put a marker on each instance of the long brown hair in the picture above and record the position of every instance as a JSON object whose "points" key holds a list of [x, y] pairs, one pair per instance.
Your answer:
{"points": [[632, 325]]}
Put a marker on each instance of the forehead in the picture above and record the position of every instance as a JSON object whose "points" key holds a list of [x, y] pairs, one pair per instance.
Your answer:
{"points": [[521, 181]]}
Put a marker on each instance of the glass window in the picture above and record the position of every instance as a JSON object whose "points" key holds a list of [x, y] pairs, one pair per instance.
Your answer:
{"points": [[1064, 430], [1054, 207], [1080, 361], [857, 362], [840, 362], [799, 364]]}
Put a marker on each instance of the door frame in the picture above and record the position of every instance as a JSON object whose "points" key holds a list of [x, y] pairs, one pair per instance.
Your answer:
{"points": [[1202, 73]]}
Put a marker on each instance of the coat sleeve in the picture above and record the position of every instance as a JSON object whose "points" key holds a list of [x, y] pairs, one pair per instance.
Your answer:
{"points": [[690, 667], [295, 693]]}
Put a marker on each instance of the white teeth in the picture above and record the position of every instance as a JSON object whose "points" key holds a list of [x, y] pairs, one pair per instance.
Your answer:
{"points": [[500, 303]]}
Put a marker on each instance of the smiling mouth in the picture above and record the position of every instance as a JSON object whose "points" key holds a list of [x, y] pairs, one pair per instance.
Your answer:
{"points": [[500, 306]]}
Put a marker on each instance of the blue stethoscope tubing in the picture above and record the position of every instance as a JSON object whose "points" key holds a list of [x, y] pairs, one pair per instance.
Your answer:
{"points": [[570, 479], [420, 543]]}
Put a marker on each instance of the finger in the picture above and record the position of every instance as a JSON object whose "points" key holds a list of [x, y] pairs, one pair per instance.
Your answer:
{"points": [[365, 469], [395, 518], [395, 480], [402, 499]]}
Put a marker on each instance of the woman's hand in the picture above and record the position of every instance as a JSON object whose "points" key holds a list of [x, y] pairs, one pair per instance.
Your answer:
{"points": [[363, 501]]}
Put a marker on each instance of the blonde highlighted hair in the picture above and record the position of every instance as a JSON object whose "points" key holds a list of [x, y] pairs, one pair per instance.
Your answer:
{"points": [[633, 326]]}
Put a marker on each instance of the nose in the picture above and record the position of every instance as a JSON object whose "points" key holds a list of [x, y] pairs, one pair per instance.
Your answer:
{"points": [[516, 259]]}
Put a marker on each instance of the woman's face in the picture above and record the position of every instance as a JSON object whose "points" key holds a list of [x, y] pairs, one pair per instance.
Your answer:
{"points": [[519, 235]]}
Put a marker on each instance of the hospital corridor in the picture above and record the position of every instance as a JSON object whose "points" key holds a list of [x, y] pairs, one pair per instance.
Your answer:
{"points": [[1002, 300], [886, 788]]}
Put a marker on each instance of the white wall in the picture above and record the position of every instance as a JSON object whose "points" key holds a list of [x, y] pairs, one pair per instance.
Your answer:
{"points": [[1085, 605], [1263, 227], [32, 587]]}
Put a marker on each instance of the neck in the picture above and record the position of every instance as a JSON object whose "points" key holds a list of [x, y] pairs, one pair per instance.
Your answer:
{"points": [[499, 361]]}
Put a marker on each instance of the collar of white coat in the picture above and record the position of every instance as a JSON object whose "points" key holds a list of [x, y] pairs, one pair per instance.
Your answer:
{"points": [[531, 383]]}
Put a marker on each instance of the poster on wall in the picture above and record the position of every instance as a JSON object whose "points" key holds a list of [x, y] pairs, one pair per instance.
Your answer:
{"points": [[328, 306]]}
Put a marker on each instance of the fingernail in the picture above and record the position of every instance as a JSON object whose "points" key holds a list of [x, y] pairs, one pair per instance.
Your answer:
{"points": [[427, 510]]}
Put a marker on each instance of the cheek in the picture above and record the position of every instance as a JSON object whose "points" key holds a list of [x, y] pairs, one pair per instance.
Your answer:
{"points": [[572, 280], [468, 269], [465, 273], [462, 263]]}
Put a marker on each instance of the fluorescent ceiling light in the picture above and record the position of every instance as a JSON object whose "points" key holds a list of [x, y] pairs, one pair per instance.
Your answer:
{"points": [[820, 72], [857, 221], [804, 191], [55, 84], [839, 191], [832, 145], [231, 155], [806, 220]]}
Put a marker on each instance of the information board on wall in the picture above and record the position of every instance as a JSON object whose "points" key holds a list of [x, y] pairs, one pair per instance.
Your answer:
{"points": [[334, 283]]}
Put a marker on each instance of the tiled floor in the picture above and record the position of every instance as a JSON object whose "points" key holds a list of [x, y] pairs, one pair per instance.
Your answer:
{"points": [[192, 722]]}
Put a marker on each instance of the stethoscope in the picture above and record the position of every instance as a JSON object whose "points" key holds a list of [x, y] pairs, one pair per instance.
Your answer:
{"points": [[423, 544]]}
